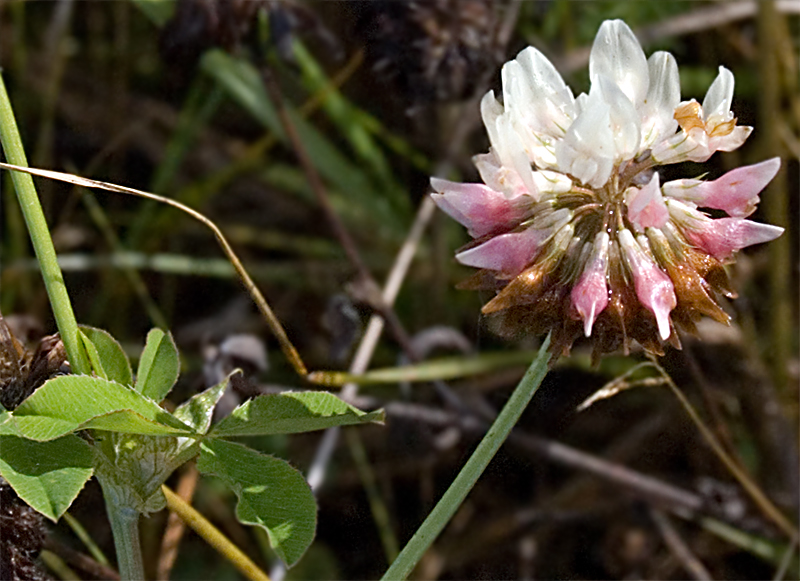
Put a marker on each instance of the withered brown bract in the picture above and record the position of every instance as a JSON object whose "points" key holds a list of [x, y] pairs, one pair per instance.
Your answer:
{"points": [[22, 371]]}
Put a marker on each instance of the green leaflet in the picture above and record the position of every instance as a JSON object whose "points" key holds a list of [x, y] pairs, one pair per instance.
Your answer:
{"points": [[159, 366], [271, 494], [46, 475], [291, 413], [74, 402]]}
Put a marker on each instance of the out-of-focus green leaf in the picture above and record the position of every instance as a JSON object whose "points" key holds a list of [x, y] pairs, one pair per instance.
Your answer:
{"points": [[291, 413], [445, 368], [46, 475], [343, 113], [292, 179], [244, 85], [158, 367], [200, 105], [158, 11], [73, 402], [112, 357], [767, 549], [271, 494]]}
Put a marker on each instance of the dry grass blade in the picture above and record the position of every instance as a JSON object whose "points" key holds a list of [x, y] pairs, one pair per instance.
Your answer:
{"points": [[618, 385], [286, 345], [765, 504]]}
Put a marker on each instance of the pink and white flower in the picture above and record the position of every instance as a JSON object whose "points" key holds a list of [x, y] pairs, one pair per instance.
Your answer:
{"points": [[573, 223]]}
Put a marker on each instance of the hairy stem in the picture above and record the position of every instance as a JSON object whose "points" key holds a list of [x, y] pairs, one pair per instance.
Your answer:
{"points": [[125, 528]]}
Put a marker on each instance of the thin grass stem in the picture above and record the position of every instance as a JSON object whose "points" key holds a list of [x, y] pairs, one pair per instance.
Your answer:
{"points": [[40, 237], [472, 470], [380, 514], [86, 539]]}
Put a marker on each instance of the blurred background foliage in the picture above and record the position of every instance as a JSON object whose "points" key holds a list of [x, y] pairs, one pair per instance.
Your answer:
{"points": [[174, 98]]}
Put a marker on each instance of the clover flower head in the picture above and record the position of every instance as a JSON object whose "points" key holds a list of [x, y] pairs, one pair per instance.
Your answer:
{"points": [[572, 226]]}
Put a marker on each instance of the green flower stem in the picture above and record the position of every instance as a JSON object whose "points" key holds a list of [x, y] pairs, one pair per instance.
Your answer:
{"points": [[40, 237], [125, 528], [472, 470]]}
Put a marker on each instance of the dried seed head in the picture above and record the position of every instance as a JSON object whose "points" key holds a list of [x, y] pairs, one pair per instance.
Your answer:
{"points": [[434, 50]]}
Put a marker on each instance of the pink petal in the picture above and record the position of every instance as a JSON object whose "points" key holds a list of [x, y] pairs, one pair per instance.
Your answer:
{"points": [[478, 207], [724, 236], [590, 295], [646, 207], [653, 287], [508, 253], [737, 191]]}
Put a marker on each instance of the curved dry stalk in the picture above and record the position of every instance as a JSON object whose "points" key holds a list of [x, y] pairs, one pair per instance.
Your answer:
{"points": [[679, 549], [213, 537], [274, 324], [758, 496]]}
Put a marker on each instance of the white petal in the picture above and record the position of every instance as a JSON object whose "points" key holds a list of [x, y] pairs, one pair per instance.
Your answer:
{"points": [[499, 177], [591, 131], [731, 141], [580, 103], [685, 189], [490, 111], [663, 96], [553, 106], [617, 54], [551, 182], [682, 146], [720, 94], [506, 144], [623, 119], [587, 151], [541, 148], [512, 153], [517, 93]]}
